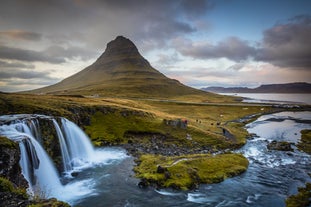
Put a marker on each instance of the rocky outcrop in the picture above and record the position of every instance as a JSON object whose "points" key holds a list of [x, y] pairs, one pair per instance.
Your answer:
{"points": [[156, 143], [281, 146], [9, 162]]}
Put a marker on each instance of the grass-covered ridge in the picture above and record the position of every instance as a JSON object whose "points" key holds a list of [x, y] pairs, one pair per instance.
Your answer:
{"points": [[188, 171]]}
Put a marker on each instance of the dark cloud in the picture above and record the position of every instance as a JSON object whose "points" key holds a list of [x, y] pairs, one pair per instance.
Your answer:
{"points": [[237, 66], [54, 54], [20, 35], [232, 48], [4, 64], [22, 74], [288, 44], [99, 21], [27, 55]]}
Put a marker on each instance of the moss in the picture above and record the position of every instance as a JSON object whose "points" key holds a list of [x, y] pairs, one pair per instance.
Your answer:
{"points": [[186, 172], [7, 143], [7, 186], [302, 199], [111, 127], [49, 203], [305, 141]]}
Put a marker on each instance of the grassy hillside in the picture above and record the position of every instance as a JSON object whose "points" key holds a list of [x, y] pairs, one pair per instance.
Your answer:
{"points": [[108, 120]]}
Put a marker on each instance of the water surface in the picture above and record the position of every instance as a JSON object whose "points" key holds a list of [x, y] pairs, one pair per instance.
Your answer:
{"points": [[277, 98]]}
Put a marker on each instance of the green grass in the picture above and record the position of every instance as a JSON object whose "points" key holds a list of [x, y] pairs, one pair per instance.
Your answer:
{"points": [[186, 172], [111, 128]]}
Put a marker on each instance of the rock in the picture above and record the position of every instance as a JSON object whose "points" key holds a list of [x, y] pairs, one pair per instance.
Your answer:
{"points": [[74, 174], [143, 183], [161, 169], [281, 146], [9, 162]]}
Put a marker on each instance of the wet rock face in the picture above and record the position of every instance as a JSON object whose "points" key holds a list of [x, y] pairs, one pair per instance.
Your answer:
{"points": [[281, 146], [9, 162]]}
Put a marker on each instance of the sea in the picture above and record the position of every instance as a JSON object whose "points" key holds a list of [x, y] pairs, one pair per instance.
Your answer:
{"points": [[274, 98]]}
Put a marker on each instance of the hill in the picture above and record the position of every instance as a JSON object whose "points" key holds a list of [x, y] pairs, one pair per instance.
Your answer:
{"points": [[270, 88], [121, 71]]}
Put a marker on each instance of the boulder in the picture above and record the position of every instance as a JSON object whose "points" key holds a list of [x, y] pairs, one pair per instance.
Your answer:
{"points": [[280, 146]]}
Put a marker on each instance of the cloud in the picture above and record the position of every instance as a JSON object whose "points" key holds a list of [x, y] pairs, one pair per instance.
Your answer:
{"points": [[71, 52], [232, 48], [4, 64], [288, 44], [23, 74], [99, 21], [20, 35], [53, 54], [27, 55]]}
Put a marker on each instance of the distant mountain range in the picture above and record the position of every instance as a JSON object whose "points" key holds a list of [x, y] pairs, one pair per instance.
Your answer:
{"points": [[300, 87]]}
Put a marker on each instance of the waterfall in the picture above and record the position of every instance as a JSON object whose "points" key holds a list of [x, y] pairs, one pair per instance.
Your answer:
{"points": [[37, 166], [63, 147], [80, 148]]}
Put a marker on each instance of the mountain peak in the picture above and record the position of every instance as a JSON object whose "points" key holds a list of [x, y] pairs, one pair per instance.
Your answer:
{"points": [[120, 46]]}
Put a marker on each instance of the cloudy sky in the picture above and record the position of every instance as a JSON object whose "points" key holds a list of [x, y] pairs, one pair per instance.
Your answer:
{"points": [[199, 42]]}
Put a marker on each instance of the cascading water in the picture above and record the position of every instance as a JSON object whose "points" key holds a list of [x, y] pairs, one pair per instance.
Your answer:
{"points": [[80, 148], [76, 152], [36, 164]]}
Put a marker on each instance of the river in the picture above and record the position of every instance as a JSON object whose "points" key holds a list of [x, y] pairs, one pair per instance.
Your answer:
{"points": [[271, 177], [107, 178]]}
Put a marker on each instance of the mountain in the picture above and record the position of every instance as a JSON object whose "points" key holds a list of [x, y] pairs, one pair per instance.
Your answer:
{"points": [[120, 71], [270, 88]]}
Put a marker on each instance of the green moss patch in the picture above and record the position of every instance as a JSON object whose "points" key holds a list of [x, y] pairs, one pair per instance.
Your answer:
{"points": [[187, 172], [7, 186], [302, 199], [111, 127], [7, 143], [305, 141]]}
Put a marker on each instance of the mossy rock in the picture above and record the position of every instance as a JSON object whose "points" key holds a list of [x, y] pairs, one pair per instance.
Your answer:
{"points": [[280, 146], [188, 171], [7, 186], [305, 141], [7, 143], [302, 199]]}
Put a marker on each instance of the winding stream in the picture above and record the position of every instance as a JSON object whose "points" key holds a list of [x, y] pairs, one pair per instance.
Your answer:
{"points": [[106, 178]]}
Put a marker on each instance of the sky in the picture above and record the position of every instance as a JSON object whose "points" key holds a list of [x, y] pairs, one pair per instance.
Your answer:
{"points": [[201, 43]]}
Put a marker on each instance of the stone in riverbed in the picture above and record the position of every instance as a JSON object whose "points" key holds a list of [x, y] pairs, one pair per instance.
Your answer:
{"points": [[280, 146]]}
